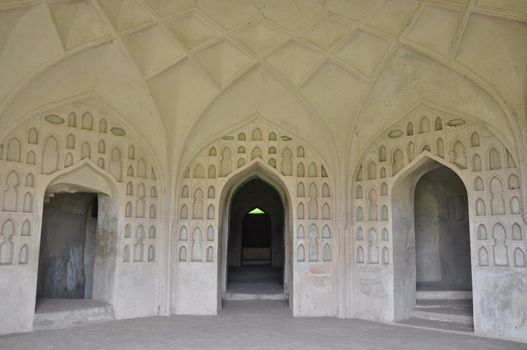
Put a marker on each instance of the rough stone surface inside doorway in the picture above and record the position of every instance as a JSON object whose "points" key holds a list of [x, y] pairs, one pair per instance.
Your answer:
{"points": [[67, 251]]}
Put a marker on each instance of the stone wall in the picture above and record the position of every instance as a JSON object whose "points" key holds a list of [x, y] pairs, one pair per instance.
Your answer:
{"points": [[366, 272]]}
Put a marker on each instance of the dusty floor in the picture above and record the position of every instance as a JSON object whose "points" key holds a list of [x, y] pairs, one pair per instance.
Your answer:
{"points": [[247, 325]]}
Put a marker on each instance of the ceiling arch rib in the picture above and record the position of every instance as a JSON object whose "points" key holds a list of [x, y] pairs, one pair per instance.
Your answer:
{"points": [[27, 43], [251, 94], [410, 77], [78, 23], [104, 70]]}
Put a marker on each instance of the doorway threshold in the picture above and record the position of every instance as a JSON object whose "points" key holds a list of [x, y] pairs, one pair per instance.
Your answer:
{"points": [[425, 323], [64, 313], [254, 296]]}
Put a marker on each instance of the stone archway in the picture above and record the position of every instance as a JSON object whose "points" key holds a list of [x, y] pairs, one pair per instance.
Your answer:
{"points": [[204, 192], [77, 250]]}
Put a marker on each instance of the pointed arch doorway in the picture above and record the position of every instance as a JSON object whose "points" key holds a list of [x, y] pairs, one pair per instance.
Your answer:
{"points": [[79, 217], [255, 252], [255, 257], [432, 246]]}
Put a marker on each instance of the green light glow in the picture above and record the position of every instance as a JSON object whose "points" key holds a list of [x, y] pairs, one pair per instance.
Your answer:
{"points": [[256, 211]]}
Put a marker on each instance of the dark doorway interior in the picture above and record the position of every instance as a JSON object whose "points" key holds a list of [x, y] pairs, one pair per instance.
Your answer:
{"points": [[256, 240], [67, 247]]}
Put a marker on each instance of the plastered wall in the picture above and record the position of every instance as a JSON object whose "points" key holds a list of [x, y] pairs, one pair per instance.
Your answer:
{"points": [[156, 262]]}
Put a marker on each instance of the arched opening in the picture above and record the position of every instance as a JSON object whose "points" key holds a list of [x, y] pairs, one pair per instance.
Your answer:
{"points": [[77, 257], [256, 241], [432, 257], [273, 183]]}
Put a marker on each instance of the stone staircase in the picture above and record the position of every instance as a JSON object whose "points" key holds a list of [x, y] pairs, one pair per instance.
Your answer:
{"points": [[64, 313]]}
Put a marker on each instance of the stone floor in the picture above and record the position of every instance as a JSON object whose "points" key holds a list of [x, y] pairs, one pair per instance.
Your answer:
{"points": [[247, 325]]}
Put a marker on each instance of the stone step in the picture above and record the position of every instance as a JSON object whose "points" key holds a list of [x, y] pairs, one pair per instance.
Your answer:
{"points": [[253, 296], [256, 262], [442, 294], [254, 273], [455, 313], [64, 313], [438, 325], [444, 302]]}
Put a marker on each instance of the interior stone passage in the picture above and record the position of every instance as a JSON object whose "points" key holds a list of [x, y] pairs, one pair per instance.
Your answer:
{"points": [[67, 250], [256, 238]]}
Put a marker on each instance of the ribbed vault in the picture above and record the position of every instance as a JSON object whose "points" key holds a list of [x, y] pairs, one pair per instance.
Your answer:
{"points": [[336, 72]]}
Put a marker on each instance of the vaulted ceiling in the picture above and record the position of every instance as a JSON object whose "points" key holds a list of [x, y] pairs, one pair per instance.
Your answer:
{"points": [[334, 72]]}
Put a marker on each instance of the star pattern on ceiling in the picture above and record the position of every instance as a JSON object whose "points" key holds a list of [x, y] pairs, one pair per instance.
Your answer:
{"points": [[314, 47]]}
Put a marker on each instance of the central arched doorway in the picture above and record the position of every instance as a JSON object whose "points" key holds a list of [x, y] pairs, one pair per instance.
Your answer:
{"points": [[255, 252]]}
